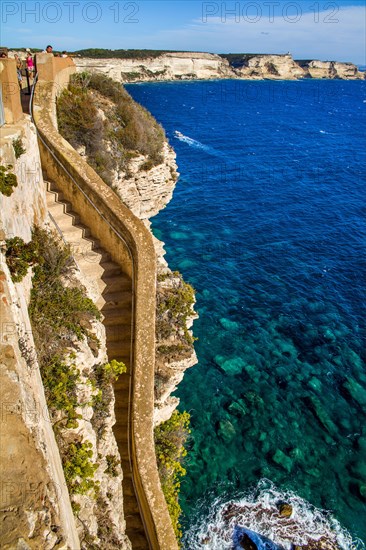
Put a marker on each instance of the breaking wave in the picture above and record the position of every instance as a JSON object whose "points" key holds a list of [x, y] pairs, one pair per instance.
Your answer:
{"points": [[259, 512]]}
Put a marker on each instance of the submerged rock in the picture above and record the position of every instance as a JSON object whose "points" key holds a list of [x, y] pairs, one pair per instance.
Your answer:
{"points": [[226, 430], [357, 391], [282, 460], [227, 324], [231, 366]]}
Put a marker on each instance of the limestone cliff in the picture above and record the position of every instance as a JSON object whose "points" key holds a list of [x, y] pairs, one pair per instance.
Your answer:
{"points": [[169, 66], [36, 505], [206, 66]]}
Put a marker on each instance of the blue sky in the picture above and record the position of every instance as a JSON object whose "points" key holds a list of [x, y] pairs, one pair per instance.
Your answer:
{"points": [[308, 29]]}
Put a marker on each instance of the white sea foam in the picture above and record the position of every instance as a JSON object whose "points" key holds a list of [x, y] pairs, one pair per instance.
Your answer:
{"points": [[258, 511]]}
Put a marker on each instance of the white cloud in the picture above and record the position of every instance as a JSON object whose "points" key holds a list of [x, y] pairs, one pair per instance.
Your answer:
{"points": [[342, 40]]}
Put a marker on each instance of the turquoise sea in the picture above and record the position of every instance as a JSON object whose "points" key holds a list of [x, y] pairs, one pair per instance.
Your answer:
{"points": [[267, 223]]}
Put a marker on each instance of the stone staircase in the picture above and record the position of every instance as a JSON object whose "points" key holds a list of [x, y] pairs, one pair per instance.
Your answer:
{"points": [[114, 300]]}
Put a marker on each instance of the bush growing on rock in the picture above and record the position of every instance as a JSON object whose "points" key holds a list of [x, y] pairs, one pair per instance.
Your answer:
{"points": [[170, 439], [109, 141], [8, 180]]}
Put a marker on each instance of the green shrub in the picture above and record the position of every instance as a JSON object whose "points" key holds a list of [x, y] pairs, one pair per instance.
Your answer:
{"points": [[112, 464], [59, 314], [109, 372], [8, 180], [19, 256], [170, 438], [127, 130], [18, 147], [77, 117], [79, 469], [60, 381], [174, 307]]}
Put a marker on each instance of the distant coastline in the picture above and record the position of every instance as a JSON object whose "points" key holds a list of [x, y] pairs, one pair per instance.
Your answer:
{"points": [[129, 66]]}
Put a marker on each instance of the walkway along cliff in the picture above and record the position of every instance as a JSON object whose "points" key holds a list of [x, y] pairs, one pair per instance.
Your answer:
{"points": [[116, 231]]}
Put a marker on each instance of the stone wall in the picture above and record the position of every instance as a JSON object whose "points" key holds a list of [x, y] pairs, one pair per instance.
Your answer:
{"points": [[10, 91]]}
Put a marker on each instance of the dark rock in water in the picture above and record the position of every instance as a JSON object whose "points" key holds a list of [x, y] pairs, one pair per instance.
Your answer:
{"points": [[285, 510], [249, 540], [247, 543]]}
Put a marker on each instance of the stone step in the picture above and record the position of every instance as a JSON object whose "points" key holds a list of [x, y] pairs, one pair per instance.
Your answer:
{"points": [[56, 208], [118, 333], [93, 265], [118, 317], [137, 537], [117, 282], [128, 488], [66, 220], [75, 232], [120, 298], [114, 300], [52, 195], [118, 351], [120, 427], [130, 505], [134, 524]]}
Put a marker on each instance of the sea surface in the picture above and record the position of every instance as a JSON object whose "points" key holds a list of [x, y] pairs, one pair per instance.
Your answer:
{"points": [[267, 223]]}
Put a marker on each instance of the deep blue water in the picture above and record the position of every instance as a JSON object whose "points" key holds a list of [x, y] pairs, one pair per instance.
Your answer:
{"points": [[268, 224]]}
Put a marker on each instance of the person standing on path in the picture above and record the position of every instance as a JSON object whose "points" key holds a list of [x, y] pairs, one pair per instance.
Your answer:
{"points": [[30, 65]]}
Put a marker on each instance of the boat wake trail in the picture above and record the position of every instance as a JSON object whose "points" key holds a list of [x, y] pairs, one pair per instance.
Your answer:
{"points": [[196, 144]]}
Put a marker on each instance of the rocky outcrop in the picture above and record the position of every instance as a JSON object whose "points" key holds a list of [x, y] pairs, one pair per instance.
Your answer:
{"points": [[207, 66], [146, 192]]}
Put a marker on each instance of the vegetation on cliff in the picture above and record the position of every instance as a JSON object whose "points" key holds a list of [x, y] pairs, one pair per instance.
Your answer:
{"points": [[170, 439], [101, 53], [174, 307], [96, 114], [8, 180], [62, 315]]}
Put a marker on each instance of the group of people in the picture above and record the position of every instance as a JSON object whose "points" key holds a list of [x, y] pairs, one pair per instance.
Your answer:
{"points": [[29, 66]]}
